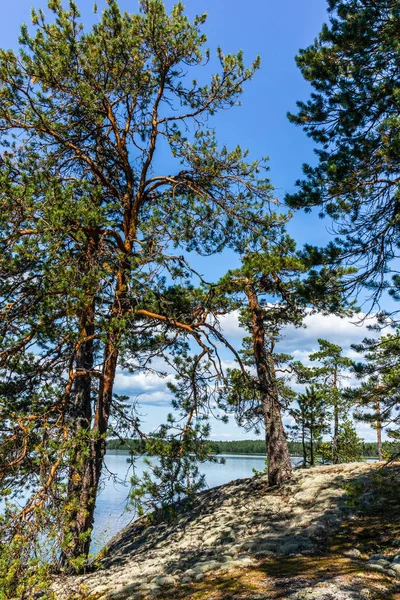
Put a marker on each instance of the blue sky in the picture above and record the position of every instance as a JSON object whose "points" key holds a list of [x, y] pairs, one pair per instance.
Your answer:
{"points": [[276, 31]]}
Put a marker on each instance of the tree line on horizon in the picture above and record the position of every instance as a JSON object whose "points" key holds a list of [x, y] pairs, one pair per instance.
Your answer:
{"points": [[97, 242], [253, 446]]}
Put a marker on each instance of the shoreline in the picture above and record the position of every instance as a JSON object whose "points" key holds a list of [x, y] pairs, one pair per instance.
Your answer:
{"points": [[242, 454]]}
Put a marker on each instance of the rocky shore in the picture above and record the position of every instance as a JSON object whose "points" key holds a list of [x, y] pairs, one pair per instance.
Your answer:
{"points": [[277, 540]]}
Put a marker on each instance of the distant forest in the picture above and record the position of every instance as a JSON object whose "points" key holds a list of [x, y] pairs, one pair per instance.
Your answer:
{"points": [[369, 449]]}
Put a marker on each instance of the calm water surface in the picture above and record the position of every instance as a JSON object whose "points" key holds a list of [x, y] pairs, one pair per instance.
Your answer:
{"points": [[111, 514]]}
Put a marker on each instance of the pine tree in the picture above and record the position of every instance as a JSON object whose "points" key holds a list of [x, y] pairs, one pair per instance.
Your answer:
{"points": [[275, 286], [180, 444], [377, 395], [327, 377], [353, 118], [93, 236], [312, 422], [350, 445]]}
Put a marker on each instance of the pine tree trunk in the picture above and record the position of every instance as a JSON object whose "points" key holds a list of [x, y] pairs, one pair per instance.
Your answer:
{"points": [[81, 415], [80, 418], [90, 472], [85, 477], [303, 441], [335, 439], [279, 465], [335, 453], [379, 430], [312, 459]]}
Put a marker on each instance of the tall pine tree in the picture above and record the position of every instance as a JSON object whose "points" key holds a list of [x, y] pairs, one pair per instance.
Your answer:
{"points": [[276, 286], [94, 234]]}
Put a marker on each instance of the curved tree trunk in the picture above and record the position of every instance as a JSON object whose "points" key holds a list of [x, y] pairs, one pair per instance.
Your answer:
{"points": [[279, 464]]}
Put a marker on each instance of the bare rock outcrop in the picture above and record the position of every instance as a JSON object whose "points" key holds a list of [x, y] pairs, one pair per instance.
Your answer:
{"points": [[231, 526]]}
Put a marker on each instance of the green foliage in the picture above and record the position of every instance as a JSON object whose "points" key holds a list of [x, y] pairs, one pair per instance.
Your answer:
{"points": [[327, 377], [350, 445], [353, 67], [216, 447], [377, 394], [331, 367], [369, 449], [275, 286], [354, 491], [324, 452], [312, 422], [126, 444], [179, 445], [390, 451], [23, 572], [165, 485], [93, 240], [238, 447]]}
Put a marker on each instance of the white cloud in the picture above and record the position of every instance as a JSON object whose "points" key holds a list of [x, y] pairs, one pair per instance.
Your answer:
{"points": [[132, 384], [161, 398], [350, 353], [341, 331], [230, 325], [288, 421], [303, 340], [153, 396], [228, 364], [302, 356]]}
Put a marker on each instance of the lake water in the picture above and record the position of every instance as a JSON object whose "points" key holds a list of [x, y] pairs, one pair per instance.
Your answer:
{"points": [[111, 514]]}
